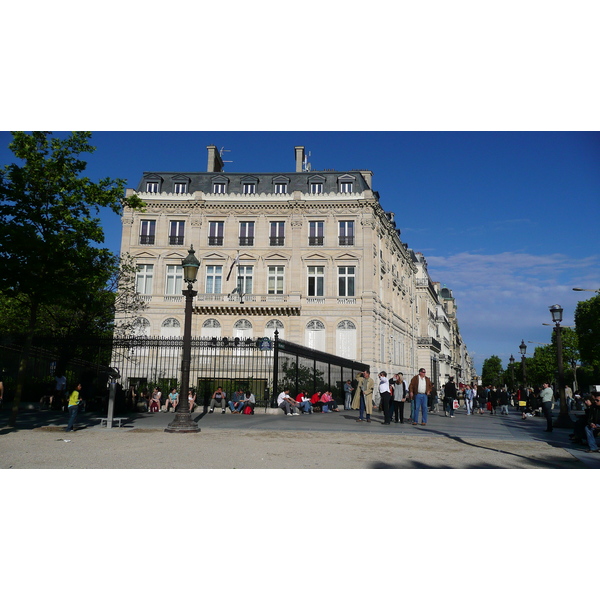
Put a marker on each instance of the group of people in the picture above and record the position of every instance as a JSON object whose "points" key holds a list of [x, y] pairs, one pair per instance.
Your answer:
{"points": [[304, 403]]}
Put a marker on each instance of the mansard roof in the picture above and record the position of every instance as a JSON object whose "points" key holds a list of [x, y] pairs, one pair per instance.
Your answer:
{"points": [[264, 181]]}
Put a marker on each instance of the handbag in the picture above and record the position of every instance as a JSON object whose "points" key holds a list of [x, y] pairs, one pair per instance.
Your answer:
{"points": [[489, 406], [455, 404]]}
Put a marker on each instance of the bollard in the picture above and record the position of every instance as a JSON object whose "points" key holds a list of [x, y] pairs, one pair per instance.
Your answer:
{"points": [[112, 394]]}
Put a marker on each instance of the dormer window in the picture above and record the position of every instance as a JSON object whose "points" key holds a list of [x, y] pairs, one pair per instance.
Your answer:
{"points": [[219, 185], [249, 184], [152, 187], [180, 188], [180, 184], [346, 184], [280, 185], [316, 184]]}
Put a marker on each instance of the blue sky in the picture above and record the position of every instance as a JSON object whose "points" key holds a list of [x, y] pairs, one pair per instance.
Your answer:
{"points": [[507, 220]]}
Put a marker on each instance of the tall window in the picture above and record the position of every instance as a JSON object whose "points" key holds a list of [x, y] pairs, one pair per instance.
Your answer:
{"points": [[174, 280], [316, 281], [215, 233], [143, 280], [247, 233], [345, 339], [315, 233], [244, 279], [275, 280], [346, 281], [277, 233], [176, 231], [242, 329], [346, 233], [315, 335], [214, 278], [211, 328], [147, 231]]}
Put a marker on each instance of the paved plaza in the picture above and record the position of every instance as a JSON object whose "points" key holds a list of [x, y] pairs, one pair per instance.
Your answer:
{"points": [[269, 439]]}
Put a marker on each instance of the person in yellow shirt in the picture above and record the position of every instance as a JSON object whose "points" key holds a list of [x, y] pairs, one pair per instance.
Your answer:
{"points": [[73, 406]]}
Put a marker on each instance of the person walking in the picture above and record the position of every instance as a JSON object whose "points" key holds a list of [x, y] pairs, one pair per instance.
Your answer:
{"points": [[420, 387], [348, 389], [503, 400], [386, 398], [363, 396], [450, 396], [73, 407], [547, 398], [469, 399]]}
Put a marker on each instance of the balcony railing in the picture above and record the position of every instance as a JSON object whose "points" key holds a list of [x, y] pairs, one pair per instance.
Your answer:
{"points": [[315, 241], [176, 240], [215, 240], [147, 239], [246, 241], [277, 241], [346, 240], [431, 342]]}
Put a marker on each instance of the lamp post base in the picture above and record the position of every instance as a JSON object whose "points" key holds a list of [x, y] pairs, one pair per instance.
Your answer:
{"points": [[182, 423]]}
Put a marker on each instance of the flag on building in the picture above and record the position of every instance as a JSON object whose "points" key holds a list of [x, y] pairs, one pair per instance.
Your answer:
{"points": [[236, 260]]}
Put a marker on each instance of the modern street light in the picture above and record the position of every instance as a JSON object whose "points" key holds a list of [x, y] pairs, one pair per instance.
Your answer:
{"points": [[523, 350], [183, 422], [563, 418]]}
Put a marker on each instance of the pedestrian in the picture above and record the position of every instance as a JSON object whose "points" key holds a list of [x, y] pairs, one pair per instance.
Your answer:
{"points": [[399, 396], [503, 400], [493, 400], [469, 399], [348, 389], [386, 398], [569, 397], [547, 397], [73, 407], [449, 397], [420, 387], [60, 391], [363, 396]]}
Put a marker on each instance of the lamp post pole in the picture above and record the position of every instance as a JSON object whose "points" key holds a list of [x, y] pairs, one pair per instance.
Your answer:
{"points": [[523, 350], [511, 360], [563, 417], [183, 422]]}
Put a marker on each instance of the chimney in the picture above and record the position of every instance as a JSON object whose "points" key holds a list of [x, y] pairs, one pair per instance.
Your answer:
{"points": [[299, 150], [215, 163]]}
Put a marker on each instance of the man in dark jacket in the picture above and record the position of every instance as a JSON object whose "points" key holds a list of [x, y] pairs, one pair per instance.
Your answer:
{"points": [[593, 423], [449, 397]]}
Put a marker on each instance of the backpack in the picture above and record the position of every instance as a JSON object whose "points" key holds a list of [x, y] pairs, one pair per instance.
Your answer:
{"points": [[247, 410]]}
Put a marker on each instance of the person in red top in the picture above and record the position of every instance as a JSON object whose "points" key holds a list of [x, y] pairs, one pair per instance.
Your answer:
{"points": [[304, 402]]}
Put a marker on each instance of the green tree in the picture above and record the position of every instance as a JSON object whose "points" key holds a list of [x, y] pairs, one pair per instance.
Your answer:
{"points": [[492, 372], [587, 326], [50, 231]]}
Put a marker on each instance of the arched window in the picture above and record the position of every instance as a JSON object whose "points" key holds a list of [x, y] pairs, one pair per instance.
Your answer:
{"points": [[271, 326], [315, 335], [211, 328], [170, 328], [141, 326], [345, 339], [242, 329]]}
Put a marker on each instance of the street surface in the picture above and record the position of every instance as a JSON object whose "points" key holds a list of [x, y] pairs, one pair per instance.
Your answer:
{"points": [[274, 441]]}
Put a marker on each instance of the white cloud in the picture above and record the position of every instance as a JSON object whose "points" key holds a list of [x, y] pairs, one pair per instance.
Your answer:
{"points": [[503, 298]]}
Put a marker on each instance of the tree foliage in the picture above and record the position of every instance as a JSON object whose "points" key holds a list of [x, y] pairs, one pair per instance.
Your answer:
{"points": [[492, 372], [53, 268], [587, 326]]}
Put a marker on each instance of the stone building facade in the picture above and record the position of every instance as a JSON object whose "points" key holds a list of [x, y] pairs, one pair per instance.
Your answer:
{"points": [[310, 253]]}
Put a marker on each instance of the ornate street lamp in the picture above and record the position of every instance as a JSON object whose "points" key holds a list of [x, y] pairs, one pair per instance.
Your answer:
{"points": [[523, 350], [183, 422], [563, 418]]}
